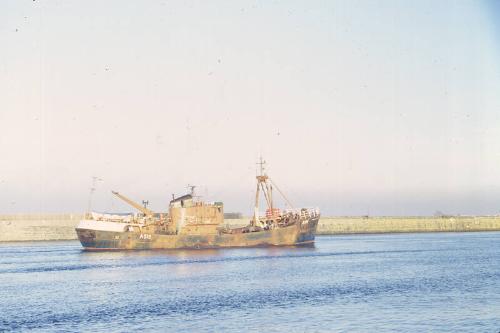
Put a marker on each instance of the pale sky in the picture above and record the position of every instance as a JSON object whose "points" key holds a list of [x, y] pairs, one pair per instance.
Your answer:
{"points": [[359, 107]]}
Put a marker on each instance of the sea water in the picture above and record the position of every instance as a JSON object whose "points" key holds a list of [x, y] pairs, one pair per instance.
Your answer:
{"points": [[436, 282]]}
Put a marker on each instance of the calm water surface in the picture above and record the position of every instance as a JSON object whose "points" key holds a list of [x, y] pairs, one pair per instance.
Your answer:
{"points": [[447, 282]]}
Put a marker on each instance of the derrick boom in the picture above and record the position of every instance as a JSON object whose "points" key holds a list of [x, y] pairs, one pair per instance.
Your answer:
{"points": [[137, 206]]}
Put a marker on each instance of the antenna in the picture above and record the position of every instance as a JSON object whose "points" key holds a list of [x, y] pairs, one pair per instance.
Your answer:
{"points": [[145, 203], [262, 164], [191, 188], [95, 179]]}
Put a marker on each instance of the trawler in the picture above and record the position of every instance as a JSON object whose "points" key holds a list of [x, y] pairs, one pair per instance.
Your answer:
{"points": [[194, 224]]}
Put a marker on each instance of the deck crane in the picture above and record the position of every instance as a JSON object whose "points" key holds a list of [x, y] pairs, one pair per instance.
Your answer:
{"points": [[144, 210]]}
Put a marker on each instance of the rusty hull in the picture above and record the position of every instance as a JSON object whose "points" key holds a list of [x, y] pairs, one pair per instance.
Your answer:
{"points": [[295, 234]]}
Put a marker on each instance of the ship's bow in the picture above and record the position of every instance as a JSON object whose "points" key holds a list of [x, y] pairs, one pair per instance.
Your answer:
{"points": [[100, 235], [307, 231]]}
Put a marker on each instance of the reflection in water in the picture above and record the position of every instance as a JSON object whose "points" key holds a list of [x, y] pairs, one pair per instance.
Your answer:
{"points": [[182, 253]]}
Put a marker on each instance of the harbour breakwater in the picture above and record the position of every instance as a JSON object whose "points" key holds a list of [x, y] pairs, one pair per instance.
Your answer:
{"points": [[44, 227], [38, 227]]}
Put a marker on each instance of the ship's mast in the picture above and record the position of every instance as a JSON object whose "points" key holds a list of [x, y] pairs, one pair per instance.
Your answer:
{"points": [[262, 184], [265, 184]]}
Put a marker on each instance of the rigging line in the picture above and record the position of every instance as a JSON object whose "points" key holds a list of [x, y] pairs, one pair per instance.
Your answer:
{"points": [[284, 197], [265, 195]]}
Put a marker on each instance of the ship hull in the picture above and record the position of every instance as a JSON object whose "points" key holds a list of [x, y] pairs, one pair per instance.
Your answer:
{"points": [[297, 234]]}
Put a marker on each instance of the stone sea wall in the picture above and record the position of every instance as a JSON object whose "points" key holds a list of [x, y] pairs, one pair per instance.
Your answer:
{"points": [[38, 227], [42, 227], [363, 225]]}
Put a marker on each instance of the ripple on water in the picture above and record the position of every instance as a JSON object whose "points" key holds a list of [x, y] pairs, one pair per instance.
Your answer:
{"points": [[412, 282]]}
